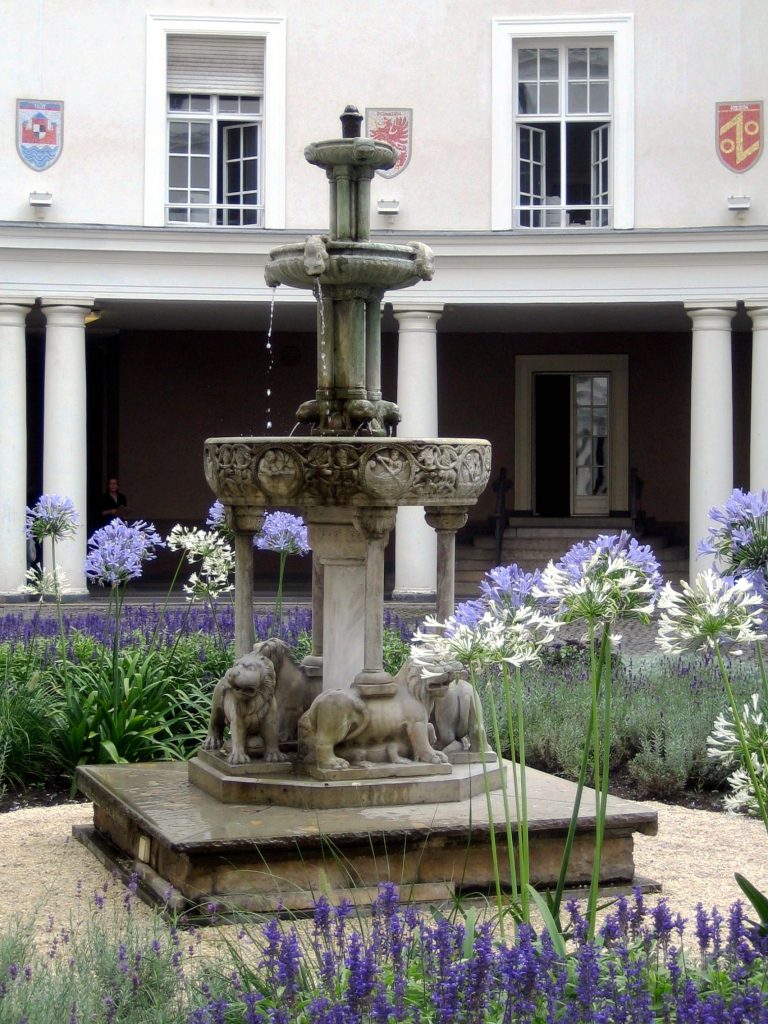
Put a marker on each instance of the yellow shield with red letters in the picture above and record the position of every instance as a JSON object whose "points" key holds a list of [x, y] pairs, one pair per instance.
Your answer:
{"points": [[739, 134]]}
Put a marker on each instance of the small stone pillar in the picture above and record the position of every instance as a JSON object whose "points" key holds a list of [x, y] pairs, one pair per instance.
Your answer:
{"points": [[13, 453], [342, 552], [64, 431], [246, 522], [313, 663], [446, 522], [711, 472], [375, 524]]}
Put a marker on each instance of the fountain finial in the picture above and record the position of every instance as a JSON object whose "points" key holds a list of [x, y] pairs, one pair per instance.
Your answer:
{"points": [[351, 122]]}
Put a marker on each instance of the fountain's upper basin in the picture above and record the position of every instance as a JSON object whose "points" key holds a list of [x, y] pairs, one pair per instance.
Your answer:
{"points": [[356, 471], [373, 264]]}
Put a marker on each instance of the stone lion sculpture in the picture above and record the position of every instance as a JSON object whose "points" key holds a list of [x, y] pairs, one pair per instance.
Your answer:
{"points": [[458, 719], [341, 728], [262, 694]]}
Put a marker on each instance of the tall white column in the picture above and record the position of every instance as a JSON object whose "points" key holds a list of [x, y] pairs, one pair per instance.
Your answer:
{"points": [[64, 429], [758, 435], [13, 448], [711, 422], [415, 542]]}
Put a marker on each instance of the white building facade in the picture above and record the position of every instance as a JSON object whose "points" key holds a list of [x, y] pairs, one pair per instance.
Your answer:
{"points": [[589, 175]]}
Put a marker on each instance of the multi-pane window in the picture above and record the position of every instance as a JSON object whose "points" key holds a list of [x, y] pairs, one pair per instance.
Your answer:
{"points": [[563, 119], [213, 159]]}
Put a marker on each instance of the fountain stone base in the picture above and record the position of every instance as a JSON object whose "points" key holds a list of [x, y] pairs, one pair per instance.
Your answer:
{"points": [[189, 848]]}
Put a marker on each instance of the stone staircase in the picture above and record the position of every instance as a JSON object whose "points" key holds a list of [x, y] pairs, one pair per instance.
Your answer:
{"points": [[531, 543]]}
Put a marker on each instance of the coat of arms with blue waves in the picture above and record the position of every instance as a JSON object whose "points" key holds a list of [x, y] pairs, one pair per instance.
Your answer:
{"points": [[39, 132]]}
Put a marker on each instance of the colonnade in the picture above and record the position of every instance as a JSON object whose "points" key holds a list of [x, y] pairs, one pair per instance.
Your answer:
{"points": [[64, 435], [64, 429], [711, 466]]}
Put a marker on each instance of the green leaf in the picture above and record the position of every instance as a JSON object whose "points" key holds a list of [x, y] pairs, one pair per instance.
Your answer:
{"points": [[758, 899], [554, 932]]}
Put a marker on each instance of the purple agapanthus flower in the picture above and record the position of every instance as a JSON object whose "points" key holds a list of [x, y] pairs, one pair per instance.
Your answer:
{"points": [[509, 585], [52, 516], [603, 580], [118, 551], [284, 533], [217, 520], [739, 538]]}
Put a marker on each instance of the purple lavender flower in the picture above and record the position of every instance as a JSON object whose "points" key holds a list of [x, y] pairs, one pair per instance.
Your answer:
{"points": [[53, 517], [284, 533], [118, 551]]}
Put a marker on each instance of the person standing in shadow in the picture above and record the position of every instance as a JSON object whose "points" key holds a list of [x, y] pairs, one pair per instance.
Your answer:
{"points": [[114, 504]]}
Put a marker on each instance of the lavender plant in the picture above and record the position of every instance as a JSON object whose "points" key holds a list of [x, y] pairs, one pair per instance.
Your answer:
{"points": [[399, 966]]}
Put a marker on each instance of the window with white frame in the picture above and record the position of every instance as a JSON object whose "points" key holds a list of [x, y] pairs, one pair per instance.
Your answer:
{"points": [[554, 131], [563, 120], [214, 131]]}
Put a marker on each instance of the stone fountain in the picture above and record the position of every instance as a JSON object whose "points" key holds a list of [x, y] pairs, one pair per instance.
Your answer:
{"points": [[335, 754]]}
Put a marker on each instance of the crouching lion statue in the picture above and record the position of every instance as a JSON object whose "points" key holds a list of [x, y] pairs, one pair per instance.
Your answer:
{"points": [[341, 728], [458, 719], [262, 694]]}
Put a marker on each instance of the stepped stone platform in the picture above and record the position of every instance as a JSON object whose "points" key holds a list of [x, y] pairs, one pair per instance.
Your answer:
{"points": [[189, 849]]}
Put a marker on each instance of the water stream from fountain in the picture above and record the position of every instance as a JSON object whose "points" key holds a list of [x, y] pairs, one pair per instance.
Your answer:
{"points": [[321, 317], [270, 362]]}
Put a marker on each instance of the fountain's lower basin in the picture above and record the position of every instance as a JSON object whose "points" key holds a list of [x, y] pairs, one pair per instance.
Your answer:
{"points": [[351, 471]]}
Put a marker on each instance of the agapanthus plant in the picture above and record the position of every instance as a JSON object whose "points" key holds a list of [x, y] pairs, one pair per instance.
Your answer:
{"points": [[216, 520], [52, 517], [723, 744], [118, 551], [285, 534], [739, 538], [503, 628], [599, 583], [713, 613]]}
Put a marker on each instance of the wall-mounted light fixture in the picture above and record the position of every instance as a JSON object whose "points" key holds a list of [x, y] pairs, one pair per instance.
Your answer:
{"points": [[40, 203], [739, 202], [388, 207], [93, 316]]}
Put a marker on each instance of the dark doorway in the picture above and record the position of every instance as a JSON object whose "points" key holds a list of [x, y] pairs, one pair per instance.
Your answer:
{"points": [[552, 443]]}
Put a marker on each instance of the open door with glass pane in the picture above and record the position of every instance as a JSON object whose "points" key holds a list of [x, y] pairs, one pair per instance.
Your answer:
{"points": [[590, 443]]}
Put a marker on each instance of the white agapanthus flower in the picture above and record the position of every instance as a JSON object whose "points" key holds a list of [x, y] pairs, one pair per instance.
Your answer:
{"points": [[196, 543], [606, 589], [724, 744], [44, 582], [712, 611], [215, 574], [514, 635]]}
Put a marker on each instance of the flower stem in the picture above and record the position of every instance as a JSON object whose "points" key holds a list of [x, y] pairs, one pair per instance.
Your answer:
{"points": [[603, 667], [489, 807], [558, 898], [504, 791]]}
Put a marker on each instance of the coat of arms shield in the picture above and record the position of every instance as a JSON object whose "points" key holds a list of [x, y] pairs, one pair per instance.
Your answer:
{"points": [[739, 134], [39, 132], [395, 126]]}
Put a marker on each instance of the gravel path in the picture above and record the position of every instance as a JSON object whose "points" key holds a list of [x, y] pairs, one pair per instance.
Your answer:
{"points": [[694, 855]]}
